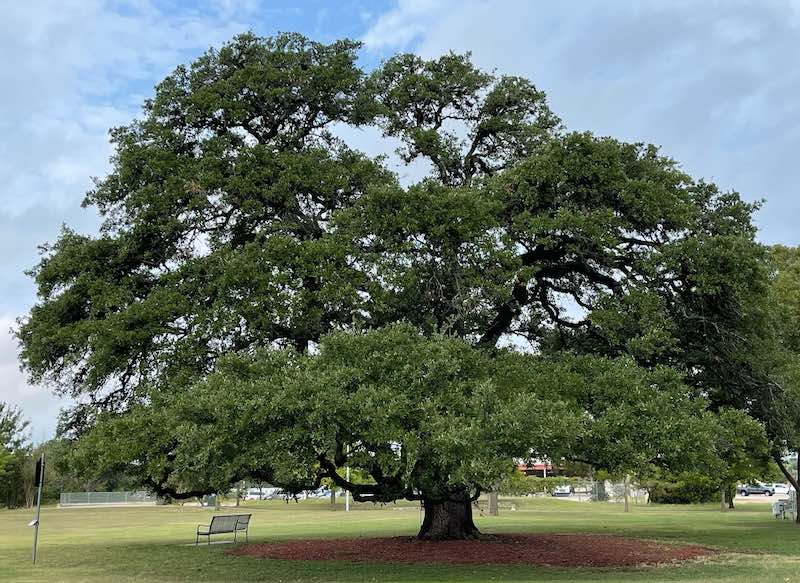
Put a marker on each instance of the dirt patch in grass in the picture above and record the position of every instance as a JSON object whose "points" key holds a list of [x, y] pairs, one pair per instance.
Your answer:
{"points": [[551, 550]]}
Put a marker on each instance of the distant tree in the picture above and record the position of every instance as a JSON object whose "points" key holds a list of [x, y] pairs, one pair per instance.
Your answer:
{"points": [[745, 452], [6, 463], [14, 448], [781, 394], [762, 359], [236, 223], [70, 469]]}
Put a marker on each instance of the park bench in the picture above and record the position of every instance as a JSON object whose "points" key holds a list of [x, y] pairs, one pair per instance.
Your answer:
{"points": [[222, 524]]}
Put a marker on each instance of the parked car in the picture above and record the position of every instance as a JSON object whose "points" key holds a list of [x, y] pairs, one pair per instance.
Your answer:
{"points": [[781, 489], [319, 493], [747, 489], [254, 494], [260, 493], [562, 490]]}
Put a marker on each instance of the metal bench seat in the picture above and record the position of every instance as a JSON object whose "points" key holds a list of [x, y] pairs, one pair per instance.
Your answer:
{"points": [[224, 524]]}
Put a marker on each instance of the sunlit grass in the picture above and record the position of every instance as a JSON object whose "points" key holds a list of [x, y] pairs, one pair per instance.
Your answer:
{"points": [[148, 544]]}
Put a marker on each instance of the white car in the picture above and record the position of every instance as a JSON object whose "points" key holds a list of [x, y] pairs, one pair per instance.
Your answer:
{"points": [[562, 490], [320, 493], [782, 489], [259, 493]]}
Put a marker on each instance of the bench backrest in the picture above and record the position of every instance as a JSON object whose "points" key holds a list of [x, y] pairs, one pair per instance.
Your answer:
{"points": [[244, 520], [220, 523]]}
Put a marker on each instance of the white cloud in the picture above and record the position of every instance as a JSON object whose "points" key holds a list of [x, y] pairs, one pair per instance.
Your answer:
{"points": [[38, 405], [410, 20], [713, 83], [69, 82], [71, 70]]}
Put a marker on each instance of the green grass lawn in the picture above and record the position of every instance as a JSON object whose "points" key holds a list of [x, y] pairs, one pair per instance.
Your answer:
{"points": [[147, 544]]}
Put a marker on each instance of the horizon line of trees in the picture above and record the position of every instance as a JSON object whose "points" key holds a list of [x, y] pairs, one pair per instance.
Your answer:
{"points": [[18, 456]]}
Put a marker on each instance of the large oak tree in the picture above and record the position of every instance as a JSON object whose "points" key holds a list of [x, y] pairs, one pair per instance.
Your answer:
{"points": [[238, 223]]}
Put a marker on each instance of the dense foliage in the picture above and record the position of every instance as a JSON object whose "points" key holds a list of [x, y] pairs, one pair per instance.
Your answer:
{"points": [[14, 451], [202, 330], [782, 407], [686, 488], [426, 417]]}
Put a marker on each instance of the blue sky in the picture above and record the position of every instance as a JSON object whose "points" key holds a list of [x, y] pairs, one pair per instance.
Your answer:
{"points": [[714, 83]]}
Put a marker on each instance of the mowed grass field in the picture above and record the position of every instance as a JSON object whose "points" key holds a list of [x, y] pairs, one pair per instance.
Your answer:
{"points": [[149, 544]]}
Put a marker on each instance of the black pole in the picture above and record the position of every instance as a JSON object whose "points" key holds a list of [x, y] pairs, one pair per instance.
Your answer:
{"points": [[39, 481]]}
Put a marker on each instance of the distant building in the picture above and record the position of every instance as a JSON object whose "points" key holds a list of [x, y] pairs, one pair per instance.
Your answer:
{"points": [[539, 469]]}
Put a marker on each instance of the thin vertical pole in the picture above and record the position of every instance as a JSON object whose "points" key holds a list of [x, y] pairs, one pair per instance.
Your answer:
{"points": [[347, 492], [38, 508], [627, 492]]}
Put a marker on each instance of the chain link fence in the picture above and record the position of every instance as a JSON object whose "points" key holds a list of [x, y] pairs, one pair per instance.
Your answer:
{"points": [[105, 498]]}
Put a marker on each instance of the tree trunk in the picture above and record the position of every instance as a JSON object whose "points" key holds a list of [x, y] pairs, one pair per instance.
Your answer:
{"points": [[731, 495], [30, 495], [333, 499], [600, 494], [627, 492], [494, 505], [451, 520], [723, 490]]}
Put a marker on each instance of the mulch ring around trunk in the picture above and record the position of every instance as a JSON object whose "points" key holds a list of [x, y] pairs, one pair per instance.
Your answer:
{"points": [[550, 550]]}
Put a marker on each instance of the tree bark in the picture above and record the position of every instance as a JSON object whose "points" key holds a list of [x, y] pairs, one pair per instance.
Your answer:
{"points": [[451, 520], [599, 491], [494, 506], [731, 495]]}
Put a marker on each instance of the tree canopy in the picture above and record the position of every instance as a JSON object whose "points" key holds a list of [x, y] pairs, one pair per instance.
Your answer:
{"points": [[780, 403], [239, 226], [423, 417]]}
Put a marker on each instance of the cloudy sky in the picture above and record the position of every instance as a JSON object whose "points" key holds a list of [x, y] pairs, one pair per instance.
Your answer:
{"points": [[716, 84]]}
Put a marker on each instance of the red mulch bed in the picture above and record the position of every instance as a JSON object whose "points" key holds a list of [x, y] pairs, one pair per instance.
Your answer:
{"points": [[551, 550]]}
